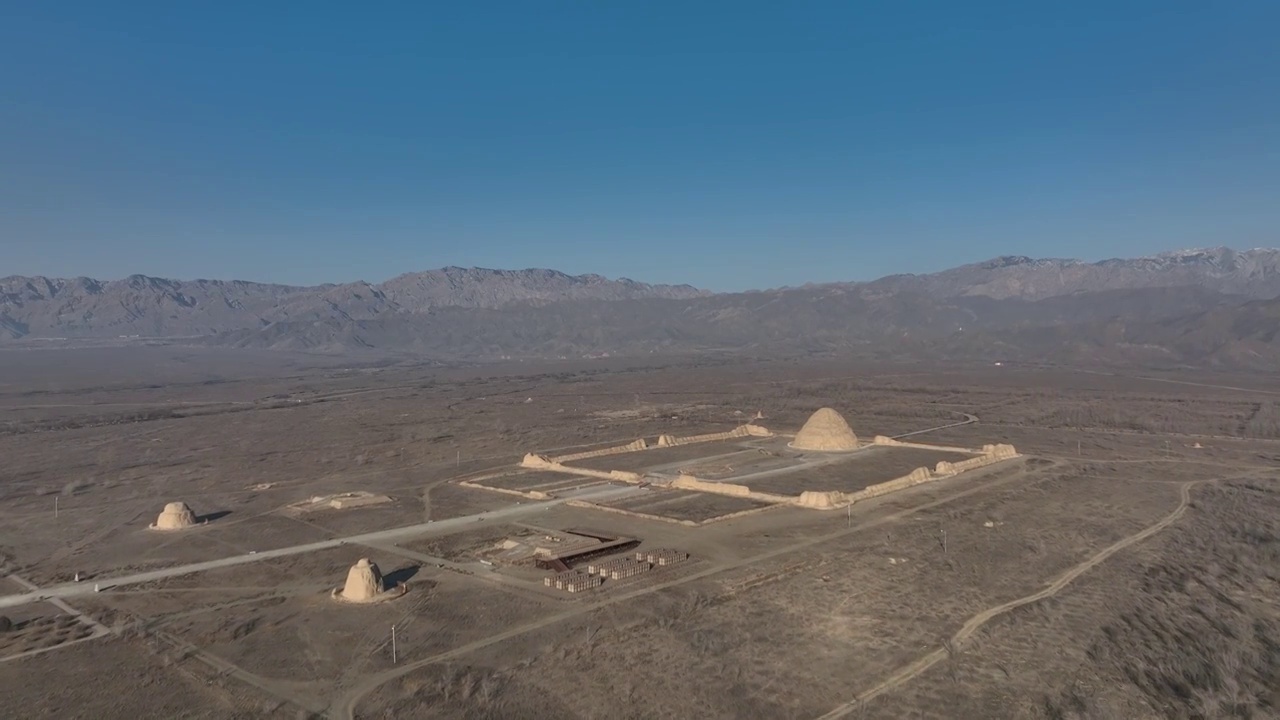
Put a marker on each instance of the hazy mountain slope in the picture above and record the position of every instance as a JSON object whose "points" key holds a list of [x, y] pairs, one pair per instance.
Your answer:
{"points": [[782, 321], [1188, 307], [1252, 273], [156, 307], [1243, 334], [138, 305], [1229, 333], [483, 288], [788, 320], [1140, 304]]}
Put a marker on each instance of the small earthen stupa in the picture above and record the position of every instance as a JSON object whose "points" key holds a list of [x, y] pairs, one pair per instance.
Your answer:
{"points": [[826, 431], [176, 516]]}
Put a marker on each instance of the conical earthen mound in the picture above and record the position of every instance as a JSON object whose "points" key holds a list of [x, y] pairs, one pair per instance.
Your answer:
{"points": [[364, 585], [826, 431], [364, 581], [176, 516]]}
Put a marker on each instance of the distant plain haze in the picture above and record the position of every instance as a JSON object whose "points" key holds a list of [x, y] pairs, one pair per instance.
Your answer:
{"points": [[725, 145]]}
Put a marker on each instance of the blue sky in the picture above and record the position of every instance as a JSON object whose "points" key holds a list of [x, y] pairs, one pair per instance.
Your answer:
{"points": [[725, 144]]}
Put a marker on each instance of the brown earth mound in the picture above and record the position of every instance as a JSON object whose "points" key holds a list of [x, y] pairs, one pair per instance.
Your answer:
{"points": [[826, 431]]}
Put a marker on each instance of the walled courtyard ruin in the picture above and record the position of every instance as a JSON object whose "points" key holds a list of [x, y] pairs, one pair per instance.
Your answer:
{"points": [[822, 466], [663, 551]]}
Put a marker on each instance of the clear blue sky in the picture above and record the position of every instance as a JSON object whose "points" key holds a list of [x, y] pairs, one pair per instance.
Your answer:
{"points": [[725, 144]]}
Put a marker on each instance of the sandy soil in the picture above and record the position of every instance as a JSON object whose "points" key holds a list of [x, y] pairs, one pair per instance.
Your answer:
{"points": [[785, 613]]}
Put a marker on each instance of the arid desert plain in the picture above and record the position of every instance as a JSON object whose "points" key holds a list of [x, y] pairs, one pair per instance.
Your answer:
{"points": [[195, 533]]}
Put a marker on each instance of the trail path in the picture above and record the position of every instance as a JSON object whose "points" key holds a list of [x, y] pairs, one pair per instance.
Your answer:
{"points": [[1171, 381], [98, 628], [345, 708], [905, 674], [968, 420], [432, 528]]}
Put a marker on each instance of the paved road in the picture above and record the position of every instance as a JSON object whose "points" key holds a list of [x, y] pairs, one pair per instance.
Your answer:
{"points": [[440, 526], [86, 588], [345, 708], [98, 628]]}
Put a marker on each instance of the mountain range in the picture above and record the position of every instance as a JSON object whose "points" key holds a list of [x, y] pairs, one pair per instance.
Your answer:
{"points": [[158, 307], [1251, 273], [1216, 306]]}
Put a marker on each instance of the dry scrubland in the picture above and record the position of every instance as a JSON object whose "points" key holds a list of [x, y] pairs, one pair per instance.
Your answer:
{"points": [[1071, 583]]}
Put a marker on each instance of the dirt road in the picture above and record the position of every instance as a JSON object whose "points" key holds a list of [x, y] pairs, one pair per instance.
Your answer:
{"points": [[431, 528], [909, 672], [968, 420], [99, 629], [345, 708]]}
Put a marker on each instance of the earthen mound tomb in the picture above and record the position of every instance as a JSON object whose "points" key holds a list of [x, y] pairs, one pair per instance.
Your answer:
{"points": [[365, 585], [176, 516], [826, 431]]}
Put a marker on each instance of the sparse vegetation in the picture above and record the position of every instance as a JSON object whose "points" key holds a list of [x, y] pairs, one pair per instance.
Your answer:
{"points": [[783, 614]]}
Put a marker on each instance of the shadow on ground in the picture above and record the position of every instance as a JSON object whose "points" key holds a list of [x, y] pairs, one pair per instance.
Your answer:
{"points": [[399, 577]]}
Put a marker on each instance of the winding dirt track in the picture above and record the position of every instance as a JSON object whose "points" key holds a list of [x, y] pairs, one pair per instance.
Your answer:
{"points": [[345, 708], [968, 420], [909, 672]]}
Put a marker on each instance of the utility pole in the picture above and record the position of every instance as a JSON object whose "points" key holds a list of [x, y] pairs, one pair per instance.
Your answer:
{"points": [[55, 506], [393, 644]]}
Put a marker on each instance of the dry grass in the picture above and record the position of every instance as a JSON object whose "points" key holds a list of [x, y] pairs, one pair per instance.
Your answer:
{"points": [[1184, 625]]}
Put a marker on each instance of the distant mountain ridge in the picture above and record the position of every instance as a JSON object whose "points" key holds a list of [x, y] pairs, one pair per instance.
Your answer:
{"points": [[773, 322], [159, 307], [1193, 307], [1251, 273]]}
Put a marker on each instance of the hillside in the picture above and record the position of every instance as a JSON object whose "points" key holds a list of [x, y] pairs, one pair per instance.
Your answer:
{"points": [[1251, 273], [781, 322], [157, 307], [1185, 308]]}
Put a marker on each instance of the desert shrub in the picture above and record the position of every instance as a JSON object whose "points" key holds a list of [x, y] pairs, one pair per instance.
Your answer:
{"points": [[1197, 643]]}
